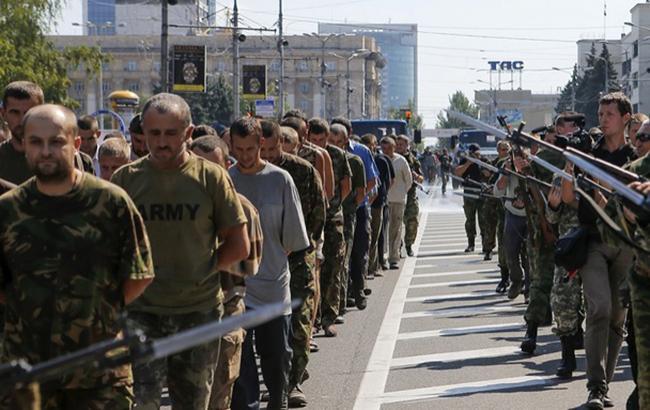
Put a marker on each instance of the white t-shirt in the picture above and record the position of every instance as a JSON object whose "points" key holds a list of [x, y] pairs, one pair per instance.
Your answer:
{"points": [[403, 180]]}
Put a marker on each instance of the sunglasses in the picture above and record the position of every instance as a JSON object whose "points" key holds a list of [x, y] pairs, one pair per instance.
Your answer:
{"points": [[643, 136]]}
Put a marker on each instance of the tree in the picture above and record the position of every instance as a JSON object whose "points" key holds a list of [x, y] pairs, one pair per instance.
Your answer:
{"points": [[592, 84], [457, 102], [213, 105], [567, 95], [28, 55]]}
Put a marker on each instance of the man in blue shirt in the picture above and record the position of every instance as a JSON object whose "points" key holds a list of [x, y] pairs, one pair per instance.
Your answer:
{"points": [[361, 242]]}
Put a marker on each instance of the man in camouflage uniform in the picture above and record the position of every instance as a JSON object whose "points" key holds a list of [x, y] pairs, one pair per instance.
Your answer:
{"points": [[412, 210], [350, 205], [334, 244], [178, 192], [566, 293], [214, 149], [301, 264], [60, 292], [471, 206], [503, 150]]}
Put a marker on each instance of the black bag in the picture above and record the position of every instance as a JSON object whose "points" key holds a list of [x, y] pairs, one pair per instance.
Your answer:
{"points": [[571, 249]]}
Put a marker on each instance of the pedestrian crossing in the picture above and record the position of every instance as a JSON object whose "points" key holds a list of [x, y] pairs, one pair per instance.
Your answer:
{"points": [[449, 341]]}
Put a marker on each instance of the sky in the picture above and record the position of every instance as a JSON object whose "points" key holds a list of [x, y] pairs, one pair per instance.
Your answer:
{"points": [[456, 38]]}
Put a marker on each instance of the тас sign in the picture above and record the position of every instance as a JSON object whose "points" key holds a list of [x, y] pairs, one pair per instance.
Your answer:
{"points": [[506, 65]]}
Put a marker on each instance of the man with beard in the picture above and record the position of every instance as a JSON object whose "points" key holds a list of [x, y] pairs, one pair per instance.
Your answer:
{"points": [[75, 251], [301, 264], [139, 147]]}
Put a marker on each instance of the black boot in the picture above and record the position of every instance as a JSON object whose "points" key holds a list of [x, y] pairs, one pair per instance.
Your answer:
{"points": [[568, 363], [470, 245], [502, 287], [530, 339], [409, 250]]}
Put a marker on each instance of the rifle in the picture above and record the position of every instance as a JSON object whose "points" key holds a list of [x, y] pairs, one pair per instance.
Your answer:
{"points": [[421, 188], [483, 195], [504, 171], [564, 175], [468, 180], [133, 347]]}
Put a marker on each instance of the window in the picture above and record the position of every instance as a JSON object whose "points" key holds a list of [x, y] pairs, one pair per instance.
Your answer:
{"points": [[304, 106], [304, 88], [330, 66], [221, 66], [635, 53], [302, 66], [79, 87], [106, 86], [274, 66], [156, 66], [133, 86], [635, 80], [635, 107], [131, 66]]}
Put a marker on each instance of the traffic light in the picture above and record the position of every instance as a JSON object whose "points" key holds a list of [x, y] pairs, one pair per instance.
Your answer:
{"points": [[407, 115]]}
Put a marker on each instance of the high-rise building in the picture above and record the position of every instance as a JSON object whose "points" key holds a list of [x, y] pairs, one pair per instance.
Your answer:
{"points": [[635, 55], [137, 17], [399, 45]]}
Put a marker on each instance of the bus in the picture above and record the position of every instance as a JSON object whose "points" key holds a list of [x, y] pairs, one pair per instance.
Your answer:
{"points": [[487, 142], [379, 128]]}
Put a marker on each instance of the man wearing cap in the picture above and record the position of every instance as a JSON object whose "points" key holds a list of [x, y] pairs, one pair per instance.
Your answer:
{"points": [[472, 207]]}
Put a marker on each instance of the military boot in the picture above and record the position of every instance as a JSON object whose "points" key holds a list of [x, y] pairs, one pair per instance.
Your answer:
{"points": [[529, 343], [409, 250], [470, 245], [568, 363], [502, 287]]}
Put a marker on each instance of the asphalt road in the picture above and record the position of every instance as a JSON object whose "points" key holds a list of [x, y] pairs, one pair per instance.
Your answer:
{"points": [[436, 336]]}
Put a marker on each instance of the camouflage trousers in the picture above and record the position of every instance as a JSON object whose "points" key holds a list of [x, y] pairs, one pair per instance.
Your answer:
{"points": [[376, 223], [503, 257], [227, 368], [411, 213], [542, 267], [640, 292], [331, 268], [303, 287], [25, 398], [566, 303], [349, 223], [189, 374], [487, 220], [472, 208]]}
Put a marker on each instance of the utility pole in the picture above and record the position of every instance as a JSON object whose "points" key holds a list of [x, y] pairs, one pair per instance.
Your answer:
{"points": [[281, 49], [323, 70], [235, 62], [347, 86], [164, 48]]}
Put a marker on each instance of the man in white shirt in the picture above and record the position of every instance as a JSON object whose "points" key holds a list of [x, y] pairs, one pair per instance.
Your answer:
{"points": [[396, 199]]}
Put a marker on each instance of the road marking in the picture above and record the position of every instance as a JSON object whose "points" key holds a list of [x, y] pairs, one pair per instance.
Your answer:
{"points": [[467, 388], [454, 296], [455, 283], [438, 237], [471, 311], [416, 361], [376, 373], [443, 256], [442, 245], [460, 331], [455, 273]]}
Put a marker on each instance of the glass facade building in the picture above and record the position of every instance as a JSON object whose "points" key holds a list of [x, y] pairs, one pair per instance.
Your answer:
{"points": [[398, 43], [101, 13]]}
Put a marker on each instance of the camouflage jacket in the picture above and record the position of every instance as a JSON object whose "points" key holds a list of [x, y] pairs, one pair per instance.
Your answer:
{"points": [[342, 170], [310, 190], [415, 166], [65, 260]]}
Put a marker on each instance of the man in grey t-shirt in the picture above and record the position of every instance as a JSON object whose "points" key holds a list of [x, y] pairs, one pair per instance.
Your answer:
{"points": [[272, 191]]}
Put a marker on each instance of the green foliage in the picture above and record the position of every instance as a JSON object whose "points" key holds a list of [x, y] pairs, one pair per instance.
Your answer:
{"points": [[28, 55], [566, 96], [457, 102], [213, 105], [591, 85]]}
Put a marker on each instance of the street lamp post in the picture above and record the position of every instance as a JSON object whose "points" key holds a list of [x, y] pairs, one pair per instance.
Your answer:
{"points": [[573, 87], [358, 53], [323, 66], [493, 99]]}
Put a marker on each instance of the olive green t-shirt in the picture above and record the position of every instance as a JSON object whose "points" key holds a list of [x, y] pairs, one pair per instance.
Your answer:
{"points": [[13, 164], [183, 210], [358, 180]]}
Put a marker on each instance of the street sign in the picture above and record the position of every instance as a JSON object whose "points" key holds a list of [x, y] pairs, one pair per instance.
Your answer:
{"points": [[254, 82], [265, 108], [189, 68]]}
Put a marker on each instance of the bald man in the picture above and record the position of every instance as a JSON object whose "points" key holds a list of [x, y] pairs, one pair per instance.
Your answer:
{"points": [[197, 228], [75, 251]]}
